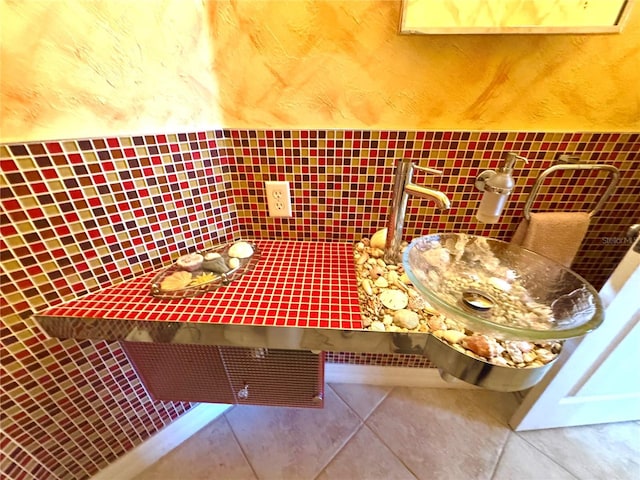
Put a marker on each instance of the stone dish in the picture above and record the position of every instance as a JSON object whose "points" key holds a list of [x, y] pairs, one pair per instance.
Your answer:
{"points": [[203, 279]]}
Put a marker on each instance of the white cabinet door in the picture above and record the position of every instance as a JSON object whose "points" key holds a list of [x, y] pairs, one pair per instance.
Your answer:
{"points": [[597, 379]]}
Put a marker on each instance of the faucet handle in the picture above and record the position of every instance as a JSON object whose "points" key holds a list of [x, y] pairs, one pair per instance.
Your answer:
{"points": [[433, 171]]}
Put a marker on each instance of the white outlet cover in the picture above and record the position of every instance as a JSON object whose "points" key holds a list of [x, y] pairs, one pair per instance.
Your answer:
{"points": [[278, 198]]}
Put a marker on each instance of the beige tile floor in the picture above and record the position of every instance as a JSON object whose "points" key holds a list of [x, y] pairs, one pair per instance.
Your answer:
{"points": [[369, 432]]}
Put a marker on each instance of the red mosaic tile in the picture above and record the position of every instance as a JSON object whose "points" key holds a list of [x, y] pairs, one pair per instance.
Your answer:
{"points": [[321, 273]]}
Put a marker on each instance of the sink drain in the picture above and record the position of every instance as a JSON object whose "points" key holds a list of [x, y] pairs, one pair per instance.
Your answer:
{"points": [[477, 301]]}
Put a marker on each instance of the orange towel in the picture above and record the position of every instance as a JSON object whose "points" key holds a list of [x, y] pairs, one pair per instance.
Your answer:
{"points": [[556, 235]]}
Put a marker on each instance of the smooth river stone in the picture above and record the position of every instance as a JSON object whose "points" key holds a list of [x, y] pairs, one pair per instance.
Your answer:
{"points": [[240, 250], [216, 265], [377, 326], [406, 319], [379, 239]]}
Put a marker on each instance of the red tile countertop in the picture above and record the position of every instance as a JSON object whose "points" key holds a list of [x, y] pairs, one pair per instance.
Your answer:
{"points": [[296, 284]]}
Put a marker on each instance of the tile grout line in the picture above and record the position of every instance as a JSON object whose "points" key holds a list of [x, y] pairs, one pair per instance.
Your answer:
{"points": [[347, 439], [391, 450], [244, 454], [381, 439], [363, 420], [564, 467], [504, 446]]}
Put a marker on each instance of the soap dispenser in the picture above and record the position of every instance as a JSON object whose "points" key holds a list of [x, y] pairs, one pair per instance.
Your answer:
{"points": [[497, 186]]}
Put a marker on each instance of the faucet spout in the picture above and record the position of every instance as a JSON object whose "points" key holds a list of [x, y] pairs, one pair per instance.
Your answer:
{"points": [[402, 188], [440, 199]]}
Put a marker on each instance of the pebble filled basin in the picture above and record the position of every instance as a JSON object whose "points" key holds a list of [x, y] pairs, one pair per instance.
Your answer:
{"points": [[500, 289]]}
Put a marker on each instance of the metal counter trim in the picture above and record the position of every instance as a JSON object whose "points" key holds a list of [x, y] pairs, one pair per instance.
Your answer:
{"points": [[448, 359]]}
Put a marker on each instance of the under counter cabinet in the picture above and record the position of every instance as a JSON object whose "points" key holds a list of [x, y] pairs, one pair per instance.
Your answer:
{"points": [[231, 375]]}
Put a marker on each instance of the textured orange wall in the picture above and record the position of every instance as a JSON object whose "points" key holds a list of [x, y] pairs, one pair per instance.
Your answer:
{"points": [[72, 70], [341, 64], [78, 69]]}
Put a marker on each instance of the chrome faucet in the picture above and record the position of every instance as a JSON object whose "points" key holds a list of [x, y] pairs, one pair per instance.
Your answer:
{"points": [[402, 188]]}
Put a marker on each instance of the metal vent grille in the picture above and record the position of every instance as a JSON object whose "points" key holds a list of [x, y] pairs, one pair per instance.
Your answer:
{"points": [[188, 373], [252, 376], [287, 378]]}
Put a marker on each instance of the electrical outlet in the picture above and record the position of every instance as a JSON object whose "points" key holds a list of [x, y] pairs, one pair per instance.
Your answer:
{"points": [[278, 199]]}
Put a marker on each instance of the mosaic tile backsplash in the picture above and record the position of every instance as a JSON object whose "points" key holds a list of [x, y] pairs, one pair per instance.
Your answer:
{"points": [[80, 215]]}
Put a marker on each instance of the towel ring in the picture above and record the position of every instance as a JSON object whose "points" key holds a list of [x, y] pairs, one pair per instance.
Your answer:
{"points": [[614, 176]]}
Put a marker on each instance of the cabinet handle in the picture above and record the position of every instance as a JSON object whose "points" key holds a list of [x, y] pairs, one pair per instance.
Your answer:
{"points": [[317, 398], [243, 393]]}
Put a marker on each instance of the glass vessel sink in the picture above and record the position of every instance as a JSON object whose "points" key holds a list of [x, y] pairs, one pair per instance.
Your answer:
{"points": [[500, 289]]}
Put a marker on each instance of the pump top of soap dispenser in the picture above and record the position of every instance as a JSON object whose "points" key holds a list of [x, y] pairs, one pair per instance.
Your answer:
{"points": [[510, 162], [497, 186], [500, 181]]}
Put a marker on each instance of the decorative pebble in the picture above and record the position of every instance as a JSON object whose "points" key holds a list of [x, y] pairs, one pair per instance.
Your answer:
{"points": [[240, 250], [416, 303], [383, 308], [452, 324], [453, 336], [379, 239], [190, 262], [362, 259], [394, 299], [366, 285], [429, 308], [501, 361], [377, 326], [514, 352], [216, 265], [544, 355], [482, 345], [402, 286], [381, 282], [406, 318], [436, 323], [376, 272], [375, 306]]}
